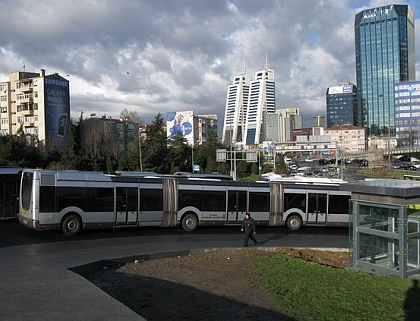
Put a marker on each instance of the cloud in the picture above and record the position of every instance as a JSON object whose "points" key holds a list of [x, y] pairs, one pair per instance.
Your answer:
{"points": [[159, 56]]}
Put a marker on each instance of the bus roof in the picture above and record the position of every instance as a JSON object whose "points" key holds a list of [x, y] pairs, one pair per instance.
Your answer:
{"points": [[306, 180], [10, 170]]}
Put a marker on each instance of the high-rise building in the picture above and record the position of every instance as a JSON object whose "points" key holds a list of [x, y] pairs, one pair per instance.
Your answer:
{"points": [[343, 106], [385, 55], [261, 101], [407, 113], [280, 125], [319, 121], [38, 104], [236, 109]]}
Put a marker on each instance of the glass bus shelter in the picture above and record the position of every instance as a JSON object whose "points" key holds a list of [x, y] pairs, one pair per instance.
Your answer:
{"points": [[385, 227]]}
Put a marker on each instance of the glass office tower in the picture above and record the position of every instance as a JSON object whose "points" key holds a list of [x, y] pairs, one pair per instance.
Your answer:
{"points": [[385, 55], [343, 107]]}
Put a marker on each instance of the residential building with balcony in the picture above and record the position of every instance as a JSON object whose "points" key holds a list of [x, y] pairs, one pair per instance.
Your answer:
{"points": [[348, 138], [37, 104], [115, 135]]}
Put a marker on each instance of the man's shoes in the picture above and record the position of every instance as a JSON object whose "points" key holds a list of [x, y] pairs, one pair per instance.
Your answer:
{"points": [[255, 244], [245, 245]]}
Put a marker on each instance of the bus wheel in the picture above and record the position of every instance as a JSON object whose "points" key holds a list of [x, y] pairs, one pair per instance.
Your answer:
{"points": [[294, 222], [71, 225], [189, 222]]}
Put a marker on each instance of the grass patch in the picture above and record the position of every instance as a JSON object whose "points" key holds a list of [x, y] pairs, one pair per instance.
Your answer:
{"points": [[385, 174], [310, 291]]}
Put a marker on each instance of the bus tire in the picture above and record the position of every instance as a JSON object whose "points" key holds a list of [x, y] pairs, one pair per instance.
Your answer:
{"points": [[189, 222], [71, 225], [294, 222]]}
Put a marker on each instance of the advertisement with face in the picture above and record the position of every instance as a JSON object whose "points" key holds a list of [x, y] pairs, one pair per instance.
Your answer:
{"points": [[57, 110], [180, 123]]}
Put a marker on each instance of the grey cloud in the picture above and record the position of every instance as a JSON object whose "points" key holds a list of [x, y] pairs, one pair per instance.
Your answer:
{"points": [[182, 54]]}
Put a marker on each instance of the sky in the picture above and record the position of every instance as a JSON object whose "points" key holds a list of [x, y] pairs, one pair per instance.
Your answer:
{"points": [[157, 56]]}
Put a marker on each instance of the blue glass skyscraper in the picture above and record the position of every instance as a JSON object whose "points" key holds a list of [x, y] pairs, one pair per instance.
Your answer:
{"points": [[343, 106], [385, 55]]}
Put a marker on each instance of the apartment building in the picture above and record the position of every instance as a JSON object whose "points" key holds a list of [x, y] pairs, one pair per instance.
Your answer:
{"points": [[37, 104], [348, 138]]}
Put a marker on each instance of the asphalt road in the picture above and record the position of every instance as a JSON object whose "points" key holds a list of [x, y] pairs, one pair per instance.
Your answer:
{"points": [[12, 233], [37, 268]]}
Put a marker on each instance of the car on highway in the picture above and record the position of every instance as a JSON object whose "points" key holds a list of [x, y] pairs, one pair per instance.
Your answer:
{"points": [[416, 164], [409, 166]]}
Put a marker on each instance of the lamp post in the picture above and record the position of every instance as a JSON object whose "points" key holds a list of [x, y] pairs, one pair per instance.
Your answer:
{"points": [[341, 152], [232, 172], [192, 158], [140, 159]]}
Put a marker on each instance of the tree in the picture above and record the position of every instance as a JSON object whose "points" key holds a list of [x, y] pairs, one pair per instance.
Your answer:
{"points": [[17, 151], [98, 147], [130, 161], [156, 156], [205, 155], [254, 168], [281, 167], [181, 154], [131, 115], [241, 168], [69, 157]]}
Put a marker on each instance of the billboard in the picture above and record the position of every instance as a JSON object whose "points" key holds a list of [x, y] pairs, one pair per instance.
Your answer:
{"points": [[57, 110], [180, 123], [348, 89]]}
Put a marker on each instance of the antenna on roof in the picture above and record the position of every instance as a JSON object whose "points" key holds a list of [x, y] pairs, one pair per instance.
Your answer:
{"points": [[266, 66], [244, 72]]}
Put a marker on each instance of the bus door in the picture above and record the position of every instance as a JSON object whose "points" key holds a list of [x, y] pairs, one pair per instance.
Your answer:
{"points": [[9, 205], [317, 208], [126, 205], [237, 202]]}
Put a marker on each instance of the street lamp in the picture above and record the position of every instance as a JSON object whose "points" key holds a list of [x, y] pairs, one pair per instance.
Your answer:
{"points": [[232, 173], [140, 155], [341, 152]]}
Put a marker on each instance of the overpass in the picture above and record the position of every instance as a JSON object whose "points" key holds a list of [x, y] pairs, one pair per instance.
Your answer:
{"points": [[411, 151]]}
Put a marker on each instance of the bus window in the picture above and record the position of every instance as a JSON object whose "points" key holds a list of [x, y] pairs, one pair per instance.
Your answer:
{"points": [[339, 204], [151, 200], [214, 201], [47, 200], [259, 202], [66, 196], [99, 199], [295, 201], [190, 198], [26, 190]]}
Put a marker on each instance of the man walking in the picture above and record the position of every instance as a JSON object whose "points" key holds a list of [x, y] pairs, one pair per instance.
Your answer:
{"points": [[248, 225]]}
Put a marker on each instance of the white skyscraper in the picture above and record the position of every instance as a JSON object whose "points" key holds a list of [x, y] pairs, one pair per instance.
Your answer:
{"points": [[261, 101], [236, 109]]}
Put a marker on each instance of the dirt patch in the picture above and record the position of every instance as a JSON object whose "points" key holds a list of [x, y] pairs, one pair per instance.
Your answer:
{"points": [[214, 285]]}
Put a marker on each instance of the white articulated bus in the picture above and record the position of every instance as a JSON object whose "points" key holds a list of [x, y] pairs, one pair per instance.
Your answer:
{"points": [[70, 201]]}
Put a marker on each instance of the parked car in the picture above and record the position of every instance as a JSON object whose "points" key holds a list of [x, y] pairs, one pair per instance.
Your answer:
{"points": [[360, 162], [416, 164], [322, 161], [317, 172], [409, 166]]}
